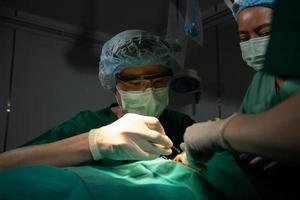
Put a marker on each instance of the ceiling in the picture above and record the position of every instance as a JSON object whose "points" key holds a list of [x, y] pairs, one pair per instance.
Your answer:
{"points": [[109, 17]]}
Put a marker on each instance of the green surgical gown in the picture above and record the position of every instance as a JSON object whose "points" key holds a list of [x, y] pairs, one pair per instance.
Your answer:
{"points": [[261, 96], [282, 59], [173, 122]]}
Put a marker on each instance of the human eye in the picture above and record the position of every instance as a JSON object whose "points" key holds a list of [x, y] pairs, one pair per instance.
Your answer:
{"points": [[160, 82], [244, 37], [266, 33], [264, 30], [135, 82]]}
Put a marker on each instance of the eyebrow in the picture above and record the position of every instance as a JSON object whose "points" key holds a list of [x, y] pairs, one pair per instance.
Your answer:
{"points": [[257, 29], [262, 26]]}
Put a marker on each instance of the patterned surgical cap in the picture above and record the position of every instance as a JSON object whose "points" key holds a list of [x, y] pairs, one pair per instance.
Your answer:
{"points": [[240, 5], [132, 48]]}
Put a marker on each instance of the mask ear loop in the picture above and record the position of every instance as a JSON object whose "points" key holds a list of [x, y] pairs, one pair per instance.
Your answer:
{"points": [[117, 93]]}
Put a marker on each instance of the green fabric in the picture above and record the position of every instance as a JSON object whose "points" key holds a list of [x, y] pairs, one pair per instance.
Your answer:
{"points": [[173, 122], [155, 179], [283, 53], [282, 59], [261, 94], [41, 182], [226, 175]]}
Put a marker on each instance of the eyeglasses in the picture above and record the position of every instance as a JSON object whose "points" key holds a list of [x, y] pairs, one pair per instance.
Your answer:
{"points": [[142, 82]]}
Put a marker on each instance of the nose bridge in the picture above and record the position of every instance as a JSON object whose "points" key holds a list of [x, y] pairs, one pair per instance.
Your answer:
{"points": [[148, 83], [253, 35], [148, 86], [154, 82]]}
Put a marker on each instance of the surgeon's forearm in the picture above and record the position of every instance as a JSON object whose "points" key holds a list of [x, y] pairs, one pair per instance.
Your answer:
{"points": [[67, 152], [274, 134]]}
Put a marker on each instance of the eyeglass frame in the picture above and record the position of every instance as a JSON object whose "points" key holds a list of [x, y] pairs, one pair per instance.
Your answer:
{"points": [[167, 73]]}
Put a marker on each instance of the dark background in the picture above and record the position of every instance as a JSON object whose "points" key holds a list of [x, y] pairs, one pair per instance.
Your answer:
{"points": [[49, 54]]}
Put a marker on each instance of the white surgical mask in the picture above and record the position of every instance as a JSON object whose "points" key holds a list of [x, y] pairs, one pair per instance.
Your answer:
{"points": [[150, 102], [254, 50]]}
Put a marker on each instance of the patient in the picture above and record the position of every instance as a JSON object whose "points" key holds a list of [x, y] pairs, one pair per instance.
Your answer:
{"points": [[181, 158], [154, 179]]}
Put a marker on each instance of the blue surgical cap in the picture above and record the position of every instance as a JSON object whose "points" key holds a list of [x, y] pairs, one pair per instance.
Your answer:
{"points": [[240, 5], [133, 48]]}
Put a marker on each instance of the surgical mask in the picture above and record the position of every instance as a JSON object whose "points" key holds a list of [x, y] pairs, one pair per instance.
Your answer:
{"points": [[150, 102], [254, 50]]}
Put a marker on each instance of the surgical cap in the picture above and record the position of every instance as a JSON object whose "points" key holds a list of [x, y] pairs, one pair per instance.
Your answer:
{"points": [[240, 5], [133, 48]]}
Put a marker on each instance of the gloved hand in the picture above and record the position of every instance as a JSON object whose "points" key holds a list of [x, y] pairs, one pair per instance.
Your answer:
{"points": [[132, 137], [205, 138]]}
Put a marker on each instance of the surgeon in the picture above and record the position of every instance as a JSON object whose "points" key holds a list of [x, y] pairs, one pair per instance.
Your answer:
{"points": [[267, 127], [257, 135], [137, 67]]}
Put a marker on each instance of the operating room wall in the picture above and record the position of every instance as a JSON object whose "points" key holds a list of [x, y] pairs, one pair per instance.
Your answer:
{"points": [[48, 77], [5, 64], [52, 78], [225, 77]]}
